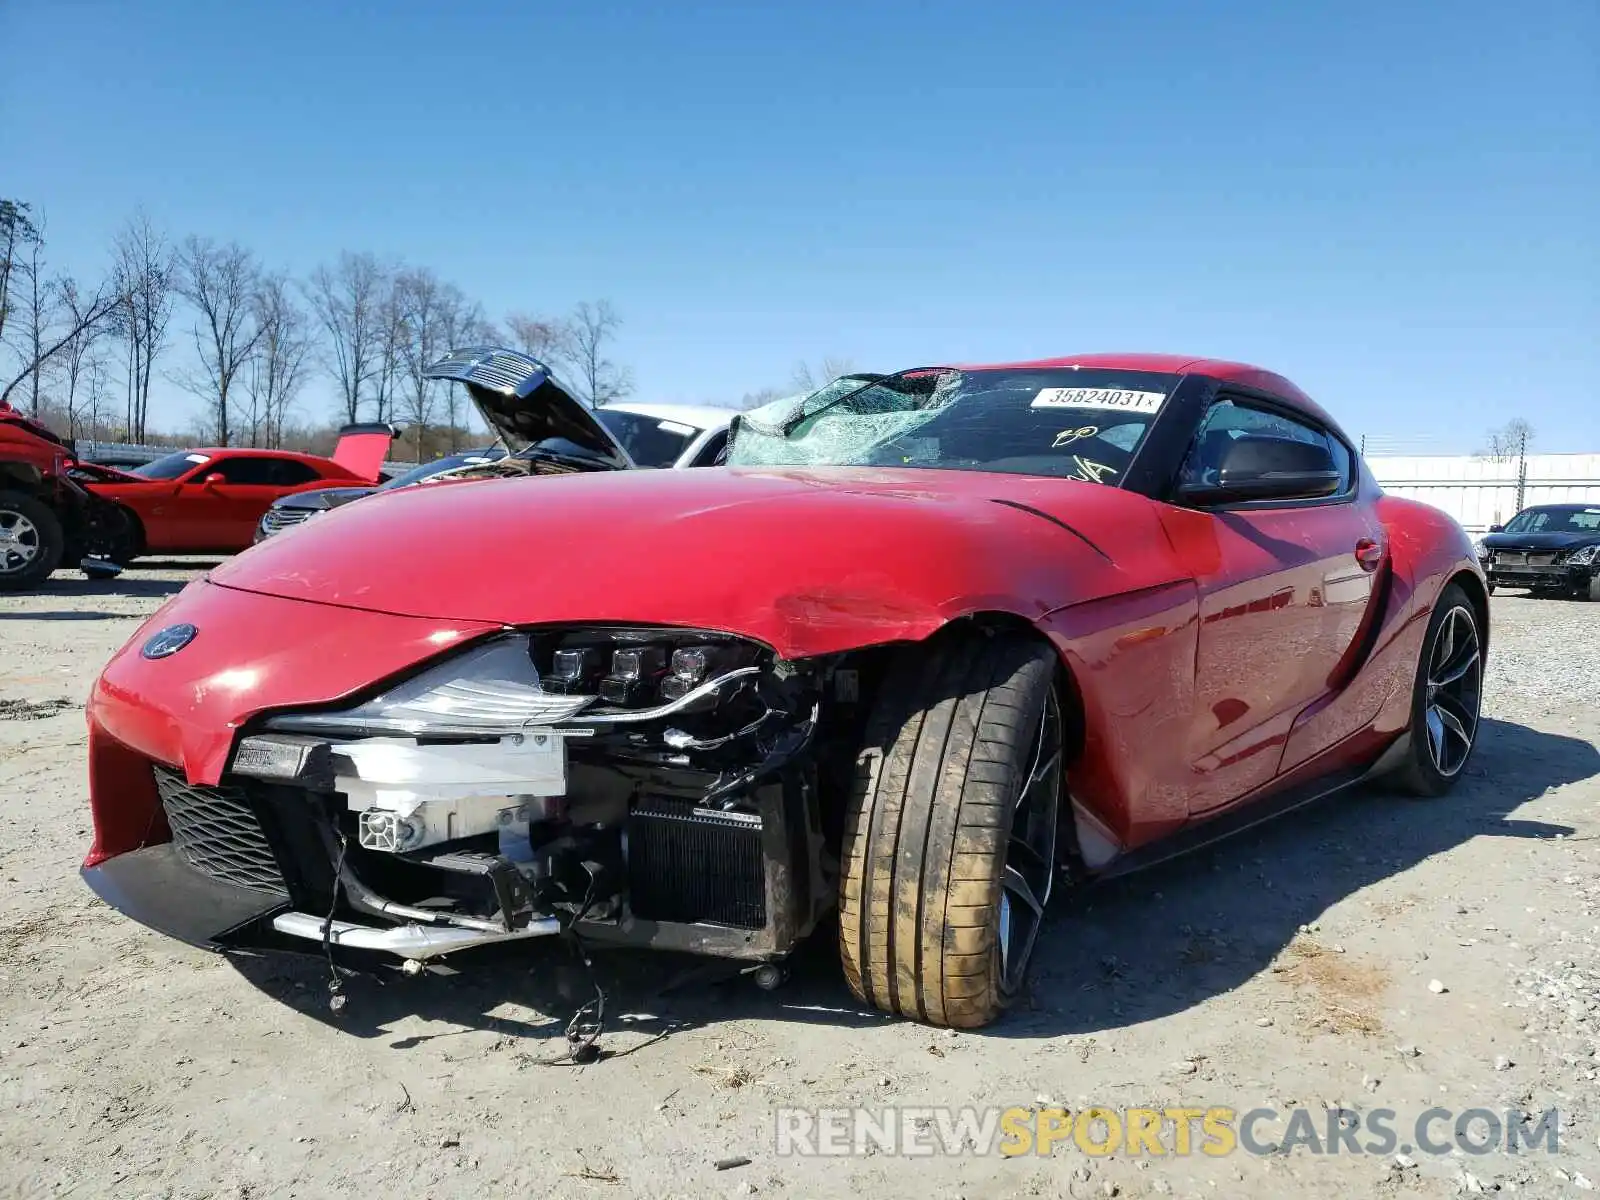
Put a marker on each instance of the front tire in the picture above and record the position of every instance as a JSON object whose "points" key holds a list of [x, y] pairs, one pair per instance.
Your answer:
{"points": [[1447, 697], [950, 833], [31, 541]]}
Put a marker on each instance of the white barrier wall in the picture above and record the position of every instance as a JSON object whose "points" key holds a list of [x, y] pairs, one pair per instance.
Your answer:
{"points": [[1480, 493]]}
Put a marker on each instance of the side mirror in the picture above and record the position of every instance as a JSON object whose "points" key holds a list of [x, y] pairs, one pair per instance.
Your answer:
{"points": [[214, 478], [1266, 468], [1497, 529]]}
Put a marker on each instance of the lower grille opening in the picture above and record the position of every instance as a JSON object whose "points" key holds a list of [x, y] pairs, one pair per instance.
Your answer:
{"points": [[688, 864], [215, 831]]}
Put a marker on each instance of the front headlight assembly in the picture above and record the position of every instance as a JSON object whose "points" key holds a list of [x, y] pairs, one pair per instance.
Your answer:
{"points": [[520, 681], [1481, 550], [1585, 556]]}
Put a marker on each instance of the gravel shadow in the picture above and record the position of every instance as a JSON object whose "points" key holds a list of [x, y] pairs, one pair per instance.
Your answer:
{"points": [[1120, 953]]}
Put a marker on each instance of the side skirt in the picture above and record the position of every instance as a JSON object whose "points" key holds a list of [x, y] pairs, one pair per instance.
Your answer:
{"points": [[1257, 812]]}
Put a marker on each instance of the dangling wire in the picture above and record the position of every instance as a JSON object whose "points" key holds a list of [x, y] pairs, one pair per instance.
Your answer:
{"points": [[583, 1031], [336, 996]]}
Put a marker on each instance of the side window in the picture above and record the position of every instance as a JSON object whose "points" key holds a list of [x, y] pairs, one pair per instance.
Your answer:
{"points": [[243, 470], [713, 452], [1344, 458], [1228, 420], [288, 473]]}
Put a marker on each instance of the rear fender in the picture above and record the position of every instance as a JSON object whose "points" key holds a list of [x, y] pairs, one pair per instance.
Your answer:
{"points": [[1428, 550]]}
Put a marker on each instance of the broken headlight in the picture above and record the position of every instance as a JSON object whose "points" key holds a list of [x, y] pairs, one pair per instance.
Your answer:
{"points": [[520, 680], [642, 669], [486, 691]]}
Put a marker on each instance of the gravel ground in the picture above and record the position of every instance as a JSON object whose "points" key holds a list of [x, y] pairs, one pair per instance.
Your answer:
{"points": [[1371, 952]]}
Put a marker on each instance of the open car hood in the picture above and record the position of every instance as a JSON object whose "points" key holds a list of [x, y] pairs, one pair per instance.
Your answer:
{"points": [[524, 403]]}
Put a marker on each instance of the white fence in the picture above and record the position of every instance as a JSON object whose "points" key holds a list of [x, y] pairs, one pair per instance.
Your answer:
{"points": [[1480, 493]]}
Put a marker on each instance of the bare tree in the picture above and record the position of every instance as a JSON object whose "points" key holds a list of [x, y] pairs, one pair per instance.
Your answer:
{"points": [[278, 365], [544, 338], [390, 366], [347, 299], [461, 323], [56, 317], [78, 355], [16, 229], [220, 282], [829, 369], [589, 334], [92, 414], [145, 271], [1508, 443], [425, 304], [35, 312]]}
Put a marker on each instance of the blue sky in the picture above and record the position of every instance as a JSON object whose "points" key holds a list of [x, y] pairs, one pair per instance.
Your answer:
{"points": [[1395, 204]]}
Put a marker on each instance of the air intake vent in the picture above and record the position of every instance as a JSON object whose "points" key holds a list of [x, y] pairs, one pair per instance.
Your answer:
{"points": [[215, 831], [691, 865]]}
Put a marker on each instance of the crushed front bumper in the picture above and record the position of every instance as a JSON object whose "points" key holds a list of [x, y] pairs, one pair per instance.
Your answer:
{"points": [[1552, 578], [158, 889], [252, 868]]}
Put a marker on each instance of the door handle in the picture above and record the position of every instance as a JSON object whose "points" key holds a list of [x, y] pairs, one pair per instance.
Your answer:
{"points": [[1369, 554]]}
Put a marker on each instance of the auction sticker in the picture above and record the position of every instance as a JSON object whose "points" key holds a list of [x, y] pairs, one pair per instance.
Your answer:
{"points": [[1113, 398]]}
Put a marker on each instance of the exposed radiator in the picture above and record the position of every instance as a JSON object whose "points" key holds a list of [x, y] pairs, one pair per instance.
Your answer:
{"points": [[693, 864]]}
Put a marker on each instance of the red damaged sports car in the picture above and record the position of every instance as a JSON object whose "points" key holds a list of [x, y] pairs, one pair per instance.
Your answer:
{"points": [[930, 648], [209, 501]]}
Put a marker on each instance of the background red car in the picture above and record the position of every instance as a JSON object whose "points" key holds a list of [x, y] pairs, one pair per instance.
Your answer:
{"points": [[208, 501]]}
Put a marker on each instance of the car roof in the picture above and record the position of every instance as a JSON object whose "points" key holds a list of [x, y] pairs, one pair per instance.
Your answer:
{"points": [[701, 416], [1243, 374], [254, 452]]}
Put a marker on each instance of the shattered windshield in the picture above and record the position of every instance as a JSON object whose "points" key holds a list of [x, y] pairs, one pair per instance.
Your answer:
{"points": [[1060, 422]]}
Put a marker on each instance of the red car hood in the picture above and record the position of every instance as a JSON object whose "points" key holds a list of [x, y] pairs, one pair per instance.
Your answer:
{"points": [[808, 561]]}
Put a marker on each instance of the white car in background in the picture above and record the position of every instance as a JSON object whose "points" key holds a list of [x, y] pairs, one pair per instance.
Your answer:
{"points": [[667, 435]]}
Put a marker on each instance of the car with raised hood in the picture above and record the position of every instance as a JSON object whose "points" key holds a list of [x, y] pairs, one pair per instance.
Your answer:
{"points": [[1550, 549], [649, 435], [928, 651], [210, 500]]}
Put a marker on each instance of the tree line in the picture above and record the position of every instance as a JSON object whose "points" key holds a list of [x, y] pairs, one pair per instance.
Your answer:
{"points": [[82, 355]]}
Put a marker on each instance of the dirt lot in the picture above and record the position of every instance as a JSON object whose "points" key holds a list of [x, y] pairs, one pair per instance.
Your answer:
{"points": [[1289, 967]]}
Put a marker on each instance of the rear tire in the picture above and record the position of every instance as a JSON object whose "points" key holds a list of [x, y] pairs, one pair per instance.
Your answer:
{"points": [[1447, 698], [950, 833], [31, 541]]}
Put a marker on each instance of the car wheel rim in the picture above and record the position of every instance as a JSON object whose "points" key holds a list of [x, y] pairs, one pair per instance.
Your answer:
{"points": [[19, 541], [1454, 692], [1030, 850]]}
